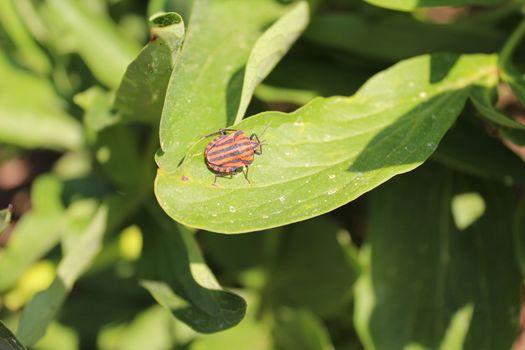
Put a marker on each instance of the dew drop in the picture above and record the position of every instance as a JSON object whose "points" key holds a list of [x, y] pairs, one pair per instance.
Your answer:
{"points": [[299, 201], [423, 94], [431, 145], [282, 199], [331, 176], [265, 216], [214, 215], [409, 148], [331, 192], [232, 209]]}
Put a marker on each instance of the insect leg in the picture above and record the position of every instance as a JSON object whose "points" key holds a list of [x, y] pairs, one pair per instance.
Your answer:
{"points": [[246, 174], [221, 131], [259, 148], [229, 175]]}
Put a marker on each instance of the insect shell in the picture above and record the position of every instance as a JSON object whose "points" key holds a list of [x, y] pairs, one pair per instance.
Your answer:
{"points": [[232, 151]]}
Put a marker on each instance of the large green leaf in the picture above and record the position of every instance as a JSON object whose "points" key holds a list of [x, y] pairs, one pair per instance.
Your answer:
{"points": [[268, 51], [330, 151], [141, 93], [36, 233], [398, 36], [176, 275], [410, 5], [204, 90], [8, 340], [428, 284], [31, 115], [41, 311], [93, 35]]}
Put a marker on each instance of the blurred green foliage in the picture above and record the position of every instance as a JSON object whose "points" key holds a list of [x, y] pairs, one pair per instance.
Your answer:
{"points": [[119, 243]]}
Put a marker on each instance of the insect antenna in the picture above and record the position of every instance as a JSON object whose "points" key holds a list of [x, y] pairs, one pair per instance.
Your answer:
{"points": [[265, 128]]}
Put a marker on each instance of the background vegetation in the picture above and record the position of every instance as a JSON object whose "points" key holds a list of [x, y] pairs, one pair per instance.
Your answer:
{"points": [[118, 239]]}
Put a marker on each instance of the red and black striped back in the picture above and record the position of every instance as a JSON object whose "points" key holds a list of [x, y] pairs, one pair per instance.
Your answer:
{"points": [[227, 153]]}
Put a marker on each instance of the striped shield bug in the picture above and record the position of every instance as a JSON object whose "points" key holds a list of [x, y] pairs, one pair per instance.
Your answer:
{"points": [[231, 152]]}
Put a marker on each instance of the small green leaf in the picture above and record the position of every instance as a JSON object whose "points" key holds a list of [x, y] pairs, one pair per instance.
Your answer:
{"points": [[178, 278], [31, 115], [330, 151], [36, 233], [8, 340], [153, 328], [300, 329], [509, 72], [141, 93], [5, 218], [269, 49], [314, 271], [428, 285], [77, 28], [41, 311], [205, 87], [411, 5], [234, 254], [96, 103], [117, 151], [114, 143], [482, 98], [251, 334]]}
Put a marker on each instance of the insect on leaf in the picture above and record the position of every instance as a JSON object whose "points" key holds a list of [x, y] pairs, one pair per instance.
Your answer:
{"points": [[330, 151]]}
